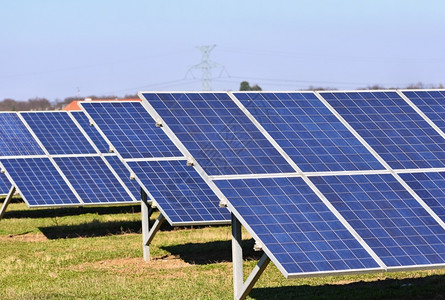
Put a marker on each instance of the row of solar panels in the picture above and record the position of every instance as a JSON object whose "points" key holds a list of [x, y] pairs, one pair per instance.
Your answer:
{"points": [[327, 182]]}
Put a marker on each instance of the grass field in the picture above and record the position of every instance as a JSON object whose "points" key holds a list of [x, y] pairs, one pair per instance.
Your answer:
{"points": [[96, 253]]}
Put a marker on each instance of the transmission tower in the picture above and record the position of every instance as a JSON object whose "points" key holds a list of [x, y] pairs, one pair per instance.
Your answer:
{"points": [[206, 65]]}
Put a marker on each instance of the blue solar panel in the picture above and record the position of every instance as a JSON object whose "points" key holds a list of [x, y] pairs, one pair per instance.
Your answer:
{"points": [[15, 139], [217, 133], [308, 132], [183, 196], [431, 103], [39, 182], [295, 225], [390, 126], [387, 217], [93, 180], [5, 185], [58, 133], [130, 129], [124, 175], [91, 131], [431, 188]]}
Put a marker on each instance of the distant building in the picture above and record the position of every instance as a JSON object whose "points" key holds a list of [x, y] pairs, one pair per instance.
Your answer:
{"points": [[75, 106]]}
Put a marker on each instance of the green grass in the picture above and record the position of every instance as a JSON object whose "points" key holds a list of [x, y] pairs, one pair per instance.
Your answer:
{"points": [[96, 253]]}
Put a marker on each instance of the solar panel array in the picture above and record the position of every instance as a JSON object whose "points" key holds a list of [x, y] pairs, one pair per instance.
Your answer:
{"points": [[354, 180], [5, 185], [160, 168], [51, 162]]}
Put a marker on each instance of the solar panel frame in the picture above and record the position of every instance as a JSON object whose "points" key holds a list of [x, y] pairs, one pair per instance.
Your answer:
{"points": [[283, 167], [56, 168], [76, 138], [161, 203], [110, 142], [384, 152], [256, 114], [83, 121], [15, 123]]}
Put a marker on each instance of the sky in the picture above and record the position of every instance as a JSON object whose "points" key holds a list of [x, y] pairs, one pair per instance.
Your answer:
{"points": [[58, 49]]}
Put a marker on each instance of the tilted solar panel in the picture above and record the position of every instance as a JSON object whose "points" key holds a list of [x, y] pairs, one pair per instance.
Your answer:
{"points": [[130, 129], [58, 133], [93, 180], [430, 187], [217, 133], [297, 229], [391, 127], [91, 131], [39, 182], [15, 139], [391, 221], [124, 175], [180, 192], [308, 131]]}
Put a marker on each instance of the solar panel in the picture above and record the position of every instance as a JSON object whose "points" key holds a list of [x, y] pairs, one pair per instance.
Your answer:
{"points": [[15, 139], [5, 185], [308, 132], [91, 131], [387, 217], [391, 127], [298, 231], [93, 180], [180, 192], [430, 187], [39, 182], [58, 133], [124, 175], [130, 129], [217, 133]]}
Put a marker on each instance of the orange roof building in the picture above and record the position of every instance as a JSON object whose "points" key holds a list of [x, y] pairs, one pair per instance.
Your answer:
{"points": [[75, 106]]}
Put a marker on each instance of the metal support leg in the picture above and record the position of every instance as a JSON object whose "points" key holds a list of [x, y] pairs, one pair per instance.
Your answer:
{"points": [[154, 229], [7, 201], [253, 277], [145, 224], [240, 288], [237, 256]]}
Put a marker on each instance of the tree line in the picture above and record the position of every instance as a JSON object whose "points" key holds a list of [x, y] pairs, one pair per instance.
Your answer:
{"points": [[44, 104]]}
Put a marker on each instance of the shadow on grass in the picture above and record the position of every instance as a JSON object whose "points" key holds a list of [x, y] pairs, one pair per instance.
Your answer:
{"points": [[37, 213], [429, 287], [211, 252], [96, 228]]}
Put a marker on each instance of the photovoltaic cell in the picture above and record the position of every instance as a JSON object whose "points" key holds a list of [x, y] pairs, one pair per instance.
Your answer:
{"points": [[130, 129], [181, 193], [390, 126], [91, 131], [430, 187], [295, 225], [15, 139], [431, 103], [387, 217], [39, 182], [124, 175], [5, 185], [93, 180], [308, 132], [217, 133], [58, 133]]}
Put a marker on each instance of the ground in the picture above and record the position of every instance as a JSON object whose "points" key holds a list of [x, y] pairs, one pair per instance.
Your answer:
{"points": [[96, 253]]}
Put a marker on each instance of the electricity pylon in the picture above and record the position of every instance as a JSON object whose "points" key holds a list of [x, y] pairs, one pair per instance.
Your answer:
{"points": [[206, 65]]}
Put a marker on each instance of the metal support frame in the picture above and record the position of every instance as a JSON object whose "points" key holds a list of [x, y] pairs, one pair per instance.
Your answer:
{"points": [[7, 201], [242, 288], [147, 233]]}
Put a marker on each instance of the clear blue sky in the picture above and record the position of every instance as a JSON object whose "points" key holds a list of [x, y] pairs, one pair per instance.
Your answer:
{"points": [[53, 48]]}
